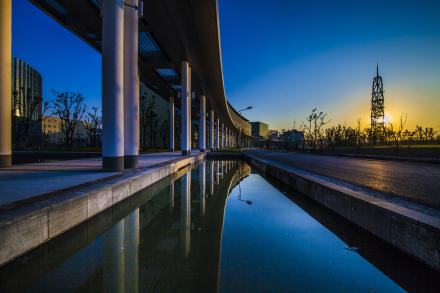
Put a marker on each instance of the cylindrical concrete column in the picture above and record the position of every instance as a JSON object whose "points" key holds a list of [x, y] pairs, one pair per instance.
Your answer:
{"points": [[226, 137], [112, 85], [131, 91], [171, 197], [217, 169], [113, 259], [172, 124], [185, 219], [211, 124], [202, 120], [217, 134], [131, 252], [211, 177], [222, 137], [186, 109], [202, 174], [5, 83]]}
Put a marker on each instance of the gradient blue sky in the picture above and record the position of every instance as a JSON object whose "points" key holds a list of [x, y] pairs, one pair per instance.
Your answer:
{"points": [[284, 58]]}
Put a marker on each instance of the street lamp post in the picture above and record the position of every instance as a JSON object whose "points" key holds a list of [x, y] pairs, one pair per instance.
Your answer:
{"points": [[239, 132]]}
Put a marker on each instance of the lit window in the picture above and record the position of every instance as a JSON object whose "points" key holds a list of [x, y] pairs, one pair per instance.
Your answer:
{"points": [[54, 126], [49, 126], [44, 125]]}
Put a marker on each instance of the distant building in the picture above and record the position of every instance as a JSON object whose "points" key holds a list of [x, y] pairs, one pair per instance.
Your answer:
{"points": [[53, 135], [273, 134], [292, 135], [259, 129], [25, 78]]}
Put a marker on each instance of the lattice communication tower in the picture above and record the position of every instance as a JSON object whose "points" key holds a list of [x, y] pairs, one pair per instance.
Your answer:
{"points": [[377, 105]]}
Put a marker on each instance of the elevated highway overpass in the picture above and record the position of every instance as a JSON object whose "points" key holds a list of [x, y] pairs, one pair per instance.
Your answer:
{"points": [[173, 47]]}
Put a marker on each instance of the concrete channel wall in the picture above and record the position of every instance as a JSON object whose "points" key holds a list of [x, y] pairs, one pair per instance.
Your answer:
{"points": [[413, 232], [26, 229]]}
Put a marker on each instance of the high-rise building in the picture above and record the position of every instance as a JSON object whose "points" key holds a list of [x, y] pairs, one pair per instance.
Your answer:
{"points": [[259, 129], [26, 79]]}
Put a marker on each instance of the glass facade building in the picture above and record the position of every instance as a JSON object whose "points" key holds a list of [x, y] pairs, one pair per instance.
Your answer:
{"points": [[25, 78]]}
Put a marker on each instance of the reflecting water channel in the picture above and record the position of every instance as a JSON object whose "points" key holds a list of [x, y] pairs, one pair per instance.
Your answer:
{"points": [[217, 226]]}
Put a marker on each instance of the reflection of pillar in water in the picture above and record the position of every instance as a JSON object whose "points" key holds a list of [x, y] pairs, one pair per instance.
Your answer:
{"points": [[217, 179], [113, 259], [211, 177], [171, 196], [131, 240], [202, 188], [185, 219]]}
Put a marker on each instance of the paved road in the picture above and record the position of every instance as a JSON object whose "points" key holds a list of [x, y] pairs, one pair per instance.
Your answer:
{"points": [[413, 182]]}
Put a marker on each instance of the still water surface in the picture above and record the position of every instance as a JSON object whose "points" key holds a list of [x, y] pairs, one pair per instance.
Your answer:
{"points": [[218, 226]]}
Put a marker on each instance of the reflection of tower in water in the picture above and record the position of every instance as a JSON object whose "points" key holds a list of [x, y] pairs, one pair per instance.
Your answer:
{"points": [[377, 106]]}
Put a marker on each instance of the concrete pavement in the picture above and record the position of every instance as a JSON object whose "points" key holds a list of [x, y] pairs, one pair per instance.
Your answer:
{"points": [[419, 183], [25, 181]]}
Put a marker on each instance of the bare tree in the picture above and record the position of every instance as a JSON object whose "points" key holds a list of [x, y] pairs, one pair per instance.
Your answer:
{"points": [[92, 125], [69, 107], [147, 119], [25, 113], [397, 134], [164, 130], [314, 131]]}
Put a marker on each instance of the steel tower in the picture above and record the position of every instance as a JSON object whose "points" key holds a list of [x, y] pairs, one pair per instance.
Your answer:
{"points": [[377, 105]]}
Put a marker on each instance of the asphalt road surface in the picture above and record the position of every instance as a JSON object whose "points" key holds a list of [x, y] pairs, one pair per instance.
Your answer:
{"points": [[419, 183]]}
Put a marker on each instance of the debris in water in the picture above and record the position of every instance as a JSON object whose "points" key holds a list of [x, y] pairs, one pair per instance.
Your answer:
{"points": [[372, 290], [287, 235]]}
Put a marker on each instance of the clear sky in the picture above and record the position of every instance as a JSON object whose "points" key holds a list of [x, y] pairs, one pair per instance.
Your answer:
{"points": [[284, 58]]}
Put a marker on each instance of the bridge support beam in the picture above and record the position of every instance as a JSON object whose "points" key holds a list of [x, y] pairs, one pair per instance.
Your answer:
{"points": [[172, 124], [222, 138], [217, 141], [5, 83], [186, 109], [131, 86], [202, 120], [185, 217], [211, 125], [113, 85], [202, 174]]}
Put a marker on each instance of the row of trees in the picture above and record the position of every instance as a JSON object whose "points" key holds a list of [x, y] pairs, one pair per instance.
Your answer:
{"points": [[316, 135], [70, 108]]}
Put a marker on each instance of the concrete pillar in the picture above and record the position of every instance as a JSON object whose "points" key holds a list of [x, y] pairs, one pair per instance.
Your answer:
{"points": [[171, 197], [217, 134], [131, 91], [217, 169], [5, 83], [186, 109], [131, 253], [113, 85], [202, 120], [185, 220], [226, 137], [222, 136], [230, 138], [211, 124], [202, 178], [113, 259], [211, 177], [172, 124]]}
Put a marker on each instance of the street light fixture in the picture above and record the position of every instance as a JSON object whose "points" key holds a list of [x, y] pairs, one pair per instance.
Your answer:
{"points": [[239, 131]]}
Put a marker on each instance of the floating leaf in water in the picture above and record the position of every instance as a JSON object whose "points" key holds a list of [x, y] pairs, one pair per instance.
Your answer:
{"points": [[372, 290]]}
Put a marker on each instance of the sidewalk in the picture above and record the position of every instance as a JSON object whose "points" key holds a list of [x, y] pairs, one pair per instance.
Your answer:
{"points": [[43, 200], [25, 181]]}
